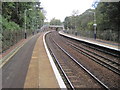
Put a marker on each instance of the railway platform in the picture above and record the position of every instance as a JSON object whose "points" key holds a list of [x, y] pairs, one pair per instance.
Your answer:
{"points": [[93, 41], [42, 72]]}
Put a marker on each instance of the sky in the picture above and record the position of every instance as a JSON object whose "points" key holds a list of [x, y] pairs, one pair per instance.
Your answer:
{"points": [[59, 9]]}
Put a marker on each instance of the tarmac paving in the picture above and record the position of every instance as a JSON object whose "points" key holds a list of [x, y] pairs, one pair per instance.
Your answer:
{"points": [[28, 65]]}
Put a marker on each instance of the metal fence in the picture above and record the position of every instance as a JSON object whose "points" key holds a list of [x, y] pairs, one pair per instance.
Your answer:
{"points": [[9, 38]]}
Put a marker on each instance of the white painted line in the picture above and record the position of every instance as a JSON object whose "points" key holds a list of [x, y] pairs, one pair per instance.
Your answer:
{"points": [[89, 41], [56, 72]]}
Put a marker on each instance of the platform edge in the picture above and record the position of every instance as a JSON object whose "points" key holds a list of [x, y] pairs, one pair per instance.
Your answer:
{"points": [[56, 72], [61, 33]]}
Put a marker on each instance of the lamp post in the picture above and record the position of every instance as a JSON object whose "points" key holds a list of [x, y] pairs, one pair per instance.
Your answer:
{"points": [[25, 22], [95, 25]]}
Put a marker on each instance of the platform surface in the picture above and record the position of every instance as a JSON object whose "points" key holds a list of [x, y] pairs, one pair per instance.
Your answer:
{"points": [[40, 73], [93, 41]]}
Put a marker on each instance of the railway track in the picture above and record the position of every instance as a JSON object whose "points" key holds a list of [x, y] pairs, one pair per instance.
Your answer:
{"points": [[67, 68], [98, 48], [70, 66], [93, 55], [108, 52]]}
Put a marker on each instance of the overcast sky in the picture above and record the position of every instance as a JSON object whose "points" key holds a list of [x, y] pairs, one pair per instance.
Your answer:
{"points": [[62, 8]]}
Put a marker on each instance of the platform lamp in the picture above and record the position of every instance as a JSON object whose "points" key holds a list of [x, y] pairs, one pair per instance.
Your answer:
{"points": [[94, 25], [25, 21]]}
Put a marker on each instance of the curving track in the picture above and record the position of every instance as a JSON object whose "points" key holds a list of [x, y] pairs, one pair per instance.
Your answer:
{"points": [[80, 70], [105, 60]]}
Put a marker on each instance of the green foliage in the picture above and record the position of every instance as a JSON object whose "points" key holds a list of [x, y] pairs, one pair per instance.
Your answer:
{"points": [[67, 23], [9, 25], [15, 12], [55, 22], [90, 25], [0, 21], [13, 18], [80, 22], [107, 20], [108, 15]]}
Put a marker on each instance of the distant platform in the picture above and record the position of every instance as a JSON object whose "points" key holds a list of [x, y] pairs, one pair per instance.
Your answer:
{"points": [[92, 41]]}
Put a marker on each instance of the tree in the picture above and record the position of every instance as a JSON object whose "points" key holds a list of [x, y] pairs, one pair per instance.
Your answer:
{"points": [[107, 19], [108, 15], [55, 22], [80, 22], [13, 21], [14, 11]]}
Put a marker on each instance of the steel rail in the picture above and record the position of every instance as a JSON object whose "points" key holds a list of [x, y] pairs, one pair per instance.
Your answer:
{"points": [[106, 65], [70, 84], [110, 53], [93, 76], [104, 51], [70, 42], [113, 69], [65, 75]]}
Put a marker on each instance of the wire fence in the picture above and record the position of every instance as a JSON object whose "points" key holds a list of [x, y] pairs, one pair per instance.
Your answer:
{"points": [[9, 38], [108, 35]]}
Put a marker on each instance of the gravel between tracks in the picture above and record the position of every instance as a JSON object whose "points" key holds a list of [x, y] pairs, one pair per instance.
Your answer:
{"points": [[78, 77], [105, 75]]}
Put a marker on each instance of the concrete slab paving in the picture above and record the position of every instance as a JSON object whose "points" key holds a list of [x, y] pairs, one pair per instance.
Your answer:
{"points": [[40, 73]]}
